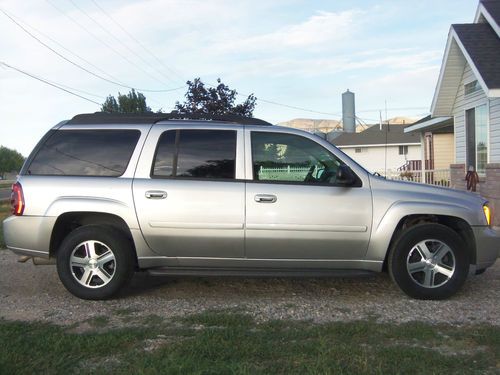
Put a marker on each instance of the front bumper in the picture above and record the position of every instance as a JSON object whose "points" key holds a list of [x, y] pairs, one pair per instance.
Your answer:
{"points": [[487, 246]]}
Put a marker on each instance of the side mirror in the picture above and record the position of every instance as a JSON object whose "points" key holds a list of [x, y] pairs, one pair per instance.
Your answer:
{"points": [[345, 176]]}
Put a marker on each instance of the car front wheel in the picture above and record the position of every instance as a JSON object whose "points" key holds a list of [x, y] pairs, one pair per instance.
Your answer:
{"points": [[429, 261]]}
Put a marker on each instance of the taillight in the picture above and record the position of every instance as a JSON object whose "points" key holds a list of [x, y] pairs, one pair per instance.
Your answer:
{"points": [[17, 200]]}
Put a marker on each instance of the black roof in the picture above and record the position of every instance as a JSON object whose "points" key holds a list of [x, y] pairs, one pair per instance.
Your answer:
{"points": [[493, 8], [483, 46], [390, 134], [152, 118]]}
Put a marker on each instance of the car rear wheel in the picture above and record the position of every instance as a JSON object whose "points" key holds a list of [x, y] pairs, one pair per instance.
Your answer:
{"points": [[94, 262], [429, 261]]}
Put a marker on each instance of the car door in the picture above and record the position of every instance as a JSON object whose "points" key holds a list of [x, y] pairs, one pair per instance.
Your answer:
{"points": [[188, 199], [295, 207]]}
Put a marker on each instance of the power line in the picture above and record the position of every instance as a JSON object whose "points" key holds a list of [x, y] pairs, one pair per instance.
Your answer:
{"points": [[78, 65], [107, 45], [64, 48], [298, 108], [48, 83], [132, 37], [137, 41], [395, 109], [118, 40]]}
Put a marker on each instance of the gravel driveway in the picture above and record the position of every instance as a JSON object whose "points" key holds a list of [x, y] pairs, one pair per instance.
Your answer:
{"points": [[29, 292]]}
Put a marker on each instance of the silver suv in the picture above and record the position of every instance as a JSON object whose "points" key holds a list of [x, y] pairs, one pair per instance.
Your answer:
{"points": [[107, 195]]}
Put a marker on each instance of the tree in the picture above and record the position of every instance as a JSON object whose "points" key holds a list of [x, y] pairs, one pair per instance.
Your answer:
{"points": [[218, 100], [131, 103], [10, 161]]}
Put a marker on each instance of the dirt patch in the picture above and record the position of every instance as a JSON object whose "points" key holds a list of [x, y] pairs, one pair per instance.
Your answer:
{"points": [[31, 293]]}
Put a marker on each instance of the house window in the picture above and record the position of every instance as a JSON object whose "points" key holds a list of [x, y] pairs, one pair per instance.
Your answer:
{"points": [[476, 122], [471, 87], [358, 150], [403, 150]]}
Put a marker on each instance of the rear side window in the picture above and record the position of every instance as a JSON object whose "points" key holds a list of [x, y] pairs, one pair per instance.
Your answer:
{"points": [[85, 153], [194, 153]]}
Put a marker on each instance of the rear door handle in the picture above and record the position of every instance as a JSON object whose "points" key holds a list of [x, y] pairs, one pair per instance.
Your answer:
{"points": [[265, 198], [156, 194]]}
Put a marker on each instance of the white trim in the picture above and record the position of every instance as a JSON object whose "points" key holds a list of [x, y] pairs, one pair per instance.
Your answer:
{"points": [[487, 104], [471, 63], [377, 145], [478, 13], [455, 139], [425, 124], [481, 10], [441, 72], [470, 80], [494, 93], [452, 36]]}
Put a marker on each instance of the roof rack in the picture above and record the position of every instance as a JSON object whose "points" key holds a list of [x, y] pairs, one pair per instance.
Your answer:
{"points": [[152, 118]]}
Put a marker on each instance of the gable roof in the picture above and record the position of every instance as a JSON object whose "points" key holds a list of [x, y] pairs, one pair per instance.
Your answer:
{"points": [[390, 134], [476, 44], [482, 45], [488, 11]]}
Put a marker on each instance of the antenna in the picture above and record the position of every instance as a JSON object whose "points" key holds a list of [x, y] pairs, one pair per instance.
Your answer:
{"points": [[386, 130]]}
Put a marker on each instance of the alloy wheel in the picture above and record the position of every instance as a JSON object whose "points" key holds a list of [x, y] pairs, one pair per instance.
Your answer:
{"points": [[431, 263], [92, 264]]}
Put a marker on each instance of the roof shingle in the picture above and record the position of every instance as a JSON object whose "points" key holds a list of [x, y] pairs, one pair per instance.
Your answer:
{"points": [[493, 8], [483, 46], [393, 135]]}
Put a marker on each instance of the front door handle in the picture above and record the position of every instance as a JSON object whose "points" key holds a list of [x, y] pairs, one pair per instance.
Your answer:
{"points": [[265, 198], [156, 194]]}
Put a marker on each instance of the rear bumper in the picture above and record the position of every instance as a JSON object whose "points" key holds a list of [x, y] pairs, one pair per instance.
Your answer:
{"points": [[487, 246], [29, 235]]}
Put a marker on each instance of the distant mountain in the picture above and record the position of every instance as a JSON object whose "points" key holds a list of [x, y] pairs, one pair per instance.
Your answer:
{"points": [[326, 126]]}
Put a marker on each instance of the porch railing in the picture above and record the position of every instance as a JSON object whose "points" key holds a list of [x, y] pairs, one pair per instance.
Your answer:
{"points": [[439, 177]]}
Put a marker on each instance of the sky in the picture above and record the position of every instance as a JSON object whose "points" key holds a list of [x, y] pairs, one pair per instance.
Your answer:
{"points": [[296, 53]]}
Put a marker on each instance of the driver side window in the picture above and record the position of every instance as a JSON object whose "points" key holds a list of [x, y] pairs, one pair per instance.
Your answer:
{"points": [[291, 158]]}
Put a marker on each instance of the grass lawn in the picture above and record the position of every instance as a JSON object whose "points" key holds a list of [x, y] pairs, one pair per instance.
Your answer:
{"points": [[227, 343], [4, 212]]}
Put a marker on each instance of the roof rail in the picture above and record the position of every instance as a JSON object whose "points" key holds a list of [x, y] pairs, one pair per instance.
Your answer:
{"points": [[152, 118]]}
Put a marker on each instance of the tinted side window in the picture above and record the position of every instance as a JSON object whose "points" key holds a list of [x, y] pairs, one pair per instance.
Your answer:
{"points": [[85, 153], [291, 158], [196, 154]]}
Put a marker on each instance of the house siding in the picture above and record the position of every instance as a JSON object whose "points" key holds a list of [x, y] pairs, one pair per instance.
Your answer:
{"points": [[443, 150], [462, 103], [494, 130], [374, 158]]}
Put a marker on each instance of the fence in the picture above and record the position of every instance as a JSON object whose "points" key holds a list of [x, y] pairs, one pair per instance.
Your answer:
{"points": [[439, 177], [283, 174]]}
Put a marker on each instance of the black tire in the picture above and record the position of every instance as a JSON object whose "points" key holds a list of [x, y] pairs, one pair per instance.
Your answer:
{"points": [[429, 283], [118, 270]]}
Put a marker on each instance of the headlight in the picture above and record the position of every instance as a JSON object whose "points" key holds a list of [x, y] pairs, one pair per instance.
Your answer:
{"points": [[487, 213]]}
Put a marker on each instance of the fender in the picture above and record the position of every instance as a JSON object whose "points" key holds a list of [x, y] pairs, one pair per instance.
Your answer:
{"points": [[68, 204], [383, 230]]}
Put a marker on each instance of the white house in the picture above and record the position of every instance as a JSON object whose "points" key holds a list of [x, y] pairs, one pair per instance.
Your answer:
{"points": [[468, 92], [380, 149]]}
